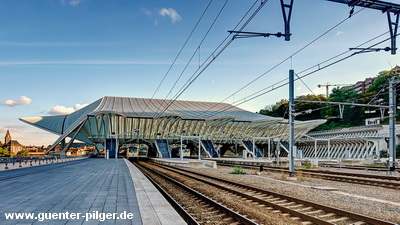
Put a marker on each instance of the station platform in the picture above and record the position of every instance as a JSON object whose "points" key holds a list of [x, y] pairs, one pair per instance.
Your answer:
{"points": [[87, 191], [211, 162], [185, 162]]}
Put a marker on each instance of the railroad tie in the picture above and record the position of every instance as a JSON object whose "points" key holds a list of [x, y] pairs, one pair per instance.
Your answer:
{"points": [[327, 215], [305, 209], [314, 212], [338, 219]]}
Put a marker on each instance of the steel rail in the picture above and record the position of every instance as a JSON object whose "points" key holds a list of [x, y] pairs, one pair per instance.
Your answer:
{"points": [[181, 211], [255, 199], [240, 218], [338, 176], [336, 211]]}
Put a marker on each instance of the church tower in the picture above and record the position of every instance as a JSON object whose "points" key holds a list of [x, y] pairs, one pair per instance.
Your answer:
{"points": [[7, 139]]}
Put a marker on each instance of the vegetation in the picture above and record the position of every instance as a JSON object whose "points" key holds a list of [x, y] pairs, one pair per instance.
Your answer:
{"points": [[4, 152], [238, 170], [307, 165], [352, 116], [23, 153]]}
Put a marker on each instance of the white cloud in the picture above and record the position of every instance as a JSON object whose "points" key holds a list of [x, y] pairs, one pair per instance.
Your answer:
{"points": [[339, 33], [146, 11], [61, 110], [175, 17], [25, 100], [12, 103], [22, 100], [79, 106], [54, 44], [84, 62], [74, 3]]}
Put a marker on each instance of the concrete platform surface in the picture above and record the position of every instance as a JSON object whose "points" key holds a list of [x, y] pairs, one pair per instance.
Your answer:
{"points": [[89, 191], [185, 162]]}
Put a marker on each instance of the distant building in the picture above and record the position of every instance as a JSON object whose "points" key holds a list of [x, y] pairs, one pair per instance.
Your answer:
{"points": [[35, 150], [13, 146], [362, 86]]}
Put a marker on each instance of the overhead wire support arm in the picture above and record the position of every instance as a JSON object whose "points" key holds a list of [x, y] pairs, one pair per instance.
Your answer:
{"points": [[243, 34], [391, 9], [287, 15], [344, 103], [393, 27]]}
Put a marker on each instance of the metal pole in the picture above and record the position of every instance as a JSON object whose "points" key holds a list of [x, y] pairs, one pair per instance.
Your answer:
{"points": [[181, 153], [278, 151], [116, 147], [269, 148], [291, 122], [254, 149], [392, 126], [105, 148], [329, 148], [315, 148], [327, 90], [199, 148]]}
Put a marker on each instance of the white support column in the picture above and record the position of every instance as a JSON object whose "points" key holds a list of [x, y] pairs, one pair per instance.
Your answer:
{"points": [[254, 149], [269, 148], [315, 148], [116, 147], [105, 147], [181, 151], [199, 153], [329, 148]]}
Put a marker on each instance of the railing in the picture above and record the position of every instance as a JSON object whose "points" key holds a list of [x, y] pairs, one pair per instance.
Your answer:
{"points": [[345, 129], [19, 162]]}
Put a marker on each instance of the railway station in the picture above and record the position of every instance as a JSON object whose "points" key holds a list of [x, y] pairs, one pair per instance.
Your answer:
{"points": [[147, 155], [117, 124], [150, 161]]}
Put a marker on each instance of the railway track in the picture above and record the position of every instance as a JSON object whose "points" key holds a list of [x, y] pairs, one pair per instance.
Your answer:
{"points": [[205, 209], [355, 167], [299, 210], [364, 179]]}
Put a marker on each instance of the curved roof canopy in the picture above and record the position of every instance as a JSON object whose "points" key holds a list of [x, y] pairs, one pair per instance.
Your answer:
{"points": [[117, 115]]}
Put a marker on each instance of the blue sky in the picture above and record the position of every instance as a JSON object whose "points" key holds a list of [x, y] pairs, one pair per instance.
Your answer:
{"points": [[58, 55]]}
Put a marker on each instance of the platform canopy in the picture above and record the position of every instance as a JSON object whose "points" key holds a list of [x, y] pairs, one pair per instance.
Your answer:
{"points": [[151, 118]]}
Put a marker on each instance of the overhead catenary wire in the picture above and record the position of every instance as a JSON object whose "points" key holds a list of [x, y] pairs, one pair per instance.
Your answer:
{"points": [[214, 55], [180, 51], [288, 58], [195, 52], [284, 82]]}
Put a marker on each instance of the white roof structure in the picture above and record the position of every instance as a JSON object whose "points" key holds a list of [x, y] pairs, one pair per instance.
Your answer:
{"points": [[116, 115]]}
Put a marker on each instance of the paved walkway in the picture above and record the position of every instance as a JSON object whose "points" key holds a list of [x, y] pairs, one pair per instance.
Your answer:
{"points": [[92, 187]]}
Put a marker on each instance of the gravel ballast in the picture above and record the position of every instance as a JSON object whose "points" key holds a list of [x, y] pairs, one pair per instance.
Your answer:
{"points": [[385, 203]]}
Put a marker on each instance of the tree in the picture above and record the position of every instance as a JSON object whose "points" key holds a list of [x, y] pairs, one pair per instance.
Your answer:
{"points": [[376, 94], [23, 153], [4, 152], [309, 110], [278, 110], [352, 116]]}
